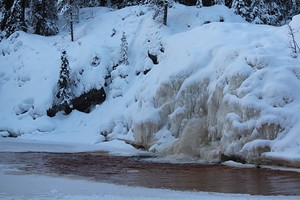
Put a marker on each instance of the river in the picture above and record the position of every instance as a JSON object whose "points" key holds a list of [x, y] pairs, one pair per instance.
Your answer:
{"points": [[136, 171]]}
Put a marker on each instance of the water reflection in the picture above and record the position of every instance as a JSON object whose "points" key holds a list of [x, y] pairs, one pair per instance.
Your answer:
{"points": [[137, 172]]}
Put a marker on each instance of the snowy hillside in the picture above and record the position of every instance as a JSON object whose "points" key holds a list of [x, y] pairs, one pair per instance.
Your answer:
{"points": [[218, 89]]}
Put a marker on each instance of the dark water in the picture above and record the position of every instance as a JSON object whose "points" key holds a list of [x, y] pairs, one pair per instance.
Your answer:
{"points": [[134, 171]]}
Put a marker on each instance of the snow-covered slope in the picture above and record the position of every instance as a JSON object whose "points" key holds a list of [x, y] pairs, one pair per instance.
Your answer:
{"points": [[219, 88]]}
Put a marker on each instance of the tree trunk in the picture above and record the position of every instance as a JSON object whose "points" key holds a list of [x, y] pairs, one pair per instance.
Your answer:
{"points": [[23, 5], [166, 4], [71, 20]]}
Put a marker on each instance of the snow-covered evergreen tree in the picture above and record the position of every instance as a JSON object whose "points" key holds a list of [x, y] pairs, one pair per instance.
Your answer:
{"points": [[266, 12], [89, 3], [275, 12], [219, 2], [1, 6], [43, 17], [81, 3], [13, 17], [199, 4], [64, 84], [124, 50], [240, 7]]}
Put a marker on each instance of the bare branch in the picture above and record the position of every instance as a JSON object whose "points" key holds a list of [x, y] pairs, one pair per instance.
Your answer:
{"points": [[293, 43]]}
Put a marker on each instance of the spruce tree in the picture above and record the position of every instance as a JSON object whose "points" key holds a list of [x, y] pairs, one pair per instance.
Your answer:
{"points": [[240, 7], [43, 17], [13, 18], [64, 93], [124, 50], [219, 2]]}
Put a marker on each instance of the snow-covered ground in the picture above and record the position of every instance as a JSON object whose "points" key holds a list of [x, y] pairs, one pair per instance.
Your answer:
{"points": [[218, 88]]}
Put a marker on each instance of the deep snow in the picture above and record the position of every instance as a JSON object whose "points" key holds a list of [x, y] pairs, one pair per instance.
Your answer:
{"points": [[219, 88]]}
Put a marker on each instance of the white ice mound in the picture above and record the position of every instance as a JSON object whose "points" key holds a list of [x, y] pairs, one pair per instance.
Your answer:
{"points": [[224, 90]]}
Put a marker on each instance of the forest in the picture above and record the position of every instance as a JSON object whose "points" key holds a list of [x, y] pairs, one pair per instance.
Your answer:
{"points": [[40, 16]]}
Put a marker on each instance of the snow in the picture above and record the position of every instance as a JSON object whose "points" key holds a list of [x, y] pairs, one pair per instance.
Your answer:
{"points": [[218, 88], [115, 147]]}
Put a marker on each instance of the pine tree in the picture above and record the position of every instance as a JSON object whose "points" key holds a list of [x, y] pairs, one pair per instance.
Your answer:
{"points": [[43, 17], [13, 19], [256, 11], [89, 3], [124, 50], [240, 7], [275, 12], [64, 93], [219, 2]]}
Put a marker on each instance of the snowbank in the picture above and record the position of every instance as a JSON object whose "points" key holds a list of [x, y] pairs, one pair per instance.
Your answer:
{"points": [[217, 88], [115, 147]]}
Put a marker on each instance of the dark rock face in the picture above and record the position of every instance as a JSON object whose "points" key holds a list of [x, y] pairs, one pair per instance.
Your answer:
{"points": [[82, 103], [88, 99], [153, 58]]}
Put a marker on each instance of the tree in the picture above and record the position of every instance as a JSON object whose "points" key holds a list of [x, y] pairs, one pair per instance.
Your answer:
{"points": [[199, 4], [124, 50], [166, 5], [219, 2], [293, 43], [64, 85], [14, 17], [240, 7], [89, 3], [43, 17], [160, 10], [70, 10], [272, 12]]}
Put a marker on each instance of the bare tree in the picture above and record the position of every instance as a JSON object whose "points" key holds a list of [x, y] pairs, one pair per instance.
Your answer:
{"points": [[293, 43], [70, 10], [71, 19], [160, 10], [166, 5]]}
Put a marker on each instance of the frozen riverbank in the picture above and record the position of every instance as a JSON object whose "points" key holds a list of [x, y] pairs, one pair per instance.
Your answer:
{"points": [[39, 187], [34, 184]]}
